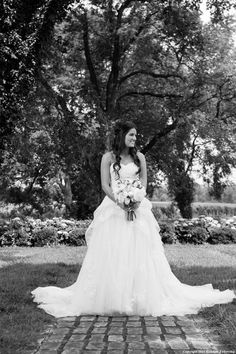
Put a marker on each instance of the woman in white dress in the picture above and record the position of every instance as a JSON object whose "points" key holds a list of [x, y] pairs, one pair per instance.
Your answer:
{"points": [[125, 270]]}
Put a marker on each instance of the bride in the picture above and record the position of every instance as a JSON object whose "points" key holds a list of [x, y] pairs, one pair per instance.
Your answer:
{"points": [[125, 270]]}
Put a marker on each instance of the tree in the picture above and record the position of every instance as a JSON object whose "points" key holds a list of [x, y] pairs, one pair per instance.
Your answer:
{"points": [[140, 60], [26, 29]]}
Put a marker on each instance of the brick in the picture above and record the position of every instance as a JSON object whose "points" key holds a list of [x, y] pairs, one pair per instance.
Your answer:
{"points": [[161, 351], [133, 324], [178, 343], [156, 330], [151, 337], [151, 323], [158, 344], [97, 337], [100, 324], [99, 330], [181, 317], [134, 330], [80, 330], [77, 337], [55, 338], [115, 338], [74, 345], [134, 318], [87, 317], [117, 323], [168, 323], [136, 345], [116, 345], [118, 319], [94, 346], [173, 330], [115, 331], [133, 338], [166, 317], [60, 331], [189, 330], [194, 336], [201, 344], [102, 318], [72, 351], [64, 324], [85, 325], [50, 345], [68, 319], [185, 323], [172, 336]]}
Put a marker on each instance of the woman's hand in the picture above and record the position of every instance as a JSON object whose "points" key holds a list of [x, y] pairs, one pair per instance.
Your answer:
{"points": [[136, 205], [121, 205]]}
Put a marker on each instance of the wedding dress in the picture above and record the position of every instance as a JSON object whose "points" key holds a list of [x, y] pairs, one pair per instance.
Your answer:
{"points": [[125, 270]]}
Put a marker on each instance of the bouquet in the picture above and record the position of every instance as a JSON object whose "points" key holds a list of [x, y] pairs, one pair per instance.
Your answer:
{"points": [[129, 193]]}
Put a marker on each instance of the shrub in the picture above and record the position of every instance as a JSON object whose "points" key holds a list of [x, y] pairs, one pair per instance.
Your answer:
{"points": [[23, 238], [167, 233], [76, 237], [8, 238], [222, 235], [191, 234], [44, 237]]}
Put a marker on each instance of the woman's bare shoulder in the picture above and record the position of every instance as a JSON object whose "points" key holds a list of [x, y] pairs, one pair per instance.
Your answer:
{"points": [[108, 157]]}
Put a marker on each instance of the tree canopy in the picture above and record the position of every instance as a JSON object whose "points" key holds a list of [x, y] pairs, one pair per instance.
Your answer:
{"points": [[70, 69]]}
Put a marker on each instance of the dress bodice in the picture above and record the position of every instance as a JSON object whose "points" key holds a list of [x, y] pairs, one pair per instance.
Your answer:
{"points": [[128, 171]]}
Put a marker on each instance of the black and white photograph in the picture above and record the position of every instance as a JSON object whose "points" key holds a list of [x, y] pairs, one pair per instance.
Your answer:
{"points": [[117, 176]]}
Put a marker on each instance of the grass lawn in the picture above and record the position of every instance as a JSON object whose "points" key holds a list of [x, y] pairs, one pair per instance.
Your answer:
{"points": [[24, 269]]}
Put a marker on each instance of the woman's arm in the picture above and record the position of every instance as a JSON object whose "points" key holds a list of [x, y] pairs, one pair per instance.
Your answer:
{"points": [[106, 179], [105, 175], [143, 172]]}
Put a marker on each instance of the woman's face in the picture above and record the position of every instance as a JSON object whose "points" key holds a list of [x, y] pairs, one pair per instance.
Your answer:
{"points": [[130, 138]]}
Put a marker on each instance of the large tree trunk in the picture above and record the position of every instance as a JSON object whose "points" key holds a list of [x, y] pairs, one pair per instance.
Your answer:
{"points": [[184, 195], [65, 185]]}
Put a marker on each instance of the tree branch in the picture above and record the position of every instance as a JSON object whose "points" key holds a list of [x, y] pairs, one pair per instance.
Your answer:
{"points": [[149, 73], [92, 73], [190, 163], [152, 94], [114, 73], [59, 99], [139, 31], [159, 135], [116, 55]]}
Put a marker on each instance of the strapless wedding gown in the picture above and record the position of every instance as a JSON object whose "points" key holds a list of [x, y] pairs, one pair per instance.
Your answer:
{"points": [[125, 270]]}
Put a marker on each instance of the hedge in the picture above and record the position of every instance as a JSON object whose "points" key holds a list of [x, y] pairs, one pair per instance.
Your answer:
{"points": [[35, 232]]}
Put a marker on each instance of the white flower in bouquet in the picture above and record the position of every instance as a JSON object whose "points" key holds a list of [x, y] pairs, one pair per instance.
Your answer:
{"points": [[139, 194], [129, 193]]}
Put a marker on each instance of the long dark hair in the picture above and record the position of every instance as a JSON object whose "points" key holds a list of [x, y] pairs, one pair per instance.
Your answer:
{"points": [[118, 144]]}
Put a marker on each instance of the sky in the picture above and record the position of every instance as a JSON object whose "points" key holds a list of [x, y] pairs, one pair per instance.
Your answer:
{"points": [[205, 13]]}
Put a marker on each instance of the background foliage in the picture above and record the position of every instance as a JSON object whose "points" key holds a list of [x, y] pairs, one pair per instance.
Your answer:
{"points": [[69, 70]]}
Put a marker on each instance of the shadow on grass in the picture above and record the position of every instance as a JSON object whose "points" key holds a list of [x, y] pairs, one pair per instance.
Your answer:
{"points": [[21, 322]]}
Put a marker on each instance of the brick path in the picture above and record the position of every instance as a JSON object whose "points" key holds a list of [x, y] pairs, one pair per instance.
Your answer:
{"points": [[129, 334]]}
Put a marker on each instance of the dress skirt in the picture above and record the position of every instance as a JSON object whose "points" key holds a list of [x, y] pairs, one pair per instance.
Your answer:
{"points": [[125, 272]]}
